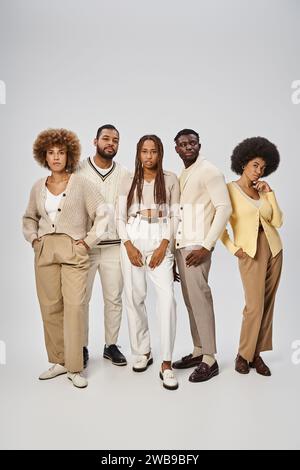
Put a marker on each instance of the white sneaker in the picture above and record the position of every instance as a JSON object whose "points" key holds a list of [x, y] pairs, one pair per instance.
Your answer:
{"points": [[78, 380], [142, 363], [54, 371], [169, 379]]}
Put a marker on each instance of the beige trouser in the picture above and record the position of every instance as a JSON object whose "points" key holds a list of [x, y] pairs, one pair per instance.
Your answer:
{"points": [[198, 300], [61, 269], [106, 260], [260, 276]]}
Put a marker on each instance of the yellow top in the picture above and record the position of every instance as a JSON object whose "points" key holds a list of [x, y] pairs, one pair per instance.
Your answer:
{"points": [[246, 218]]}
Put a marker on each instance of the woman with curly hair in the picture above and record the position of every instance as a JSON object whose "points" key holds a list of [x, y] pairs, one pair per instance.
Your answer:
{"points": [[57, 224], [147, 219], [257, 244]]}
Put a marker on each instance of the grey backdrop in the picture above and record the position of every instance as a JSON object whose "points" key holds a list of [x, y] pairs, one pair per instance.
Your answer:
{"points": [[224, 68]]}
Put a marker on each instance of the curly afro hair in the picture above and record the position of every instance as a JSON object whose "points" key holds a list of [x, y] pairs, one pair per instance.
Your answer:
{"points": [[59, 138], [255, 147]]}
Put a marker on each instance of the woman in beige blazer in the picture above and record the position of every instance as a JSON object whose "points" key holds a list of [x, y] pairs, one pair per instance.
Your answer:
{"points": [[254, 221]]}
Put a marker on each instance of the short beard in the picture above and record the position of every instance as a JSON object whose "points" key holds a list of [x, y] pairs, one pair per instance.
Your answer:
{"points": [[106, 156]]}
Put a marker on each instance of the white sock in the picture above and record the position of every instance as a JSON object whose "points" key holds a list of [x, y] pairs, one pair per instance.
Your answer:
{"points": [[209, 359], [197, 351]]}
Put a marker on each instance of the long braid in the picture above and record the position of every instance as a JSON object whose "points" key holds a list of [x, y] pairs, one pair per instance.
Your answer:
{"points": [[159, 185], [137, 183]]}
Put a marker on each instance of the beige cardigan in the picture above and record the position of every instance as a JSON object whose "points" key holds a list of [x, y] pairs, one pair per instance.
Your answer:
{"points": [[204, 205], [81, 203], [245, 221]]}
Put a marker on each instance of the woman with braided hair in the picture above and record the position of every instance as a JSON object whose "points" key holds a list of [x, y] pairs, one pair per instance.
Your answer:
{"points": [[147, 220]]}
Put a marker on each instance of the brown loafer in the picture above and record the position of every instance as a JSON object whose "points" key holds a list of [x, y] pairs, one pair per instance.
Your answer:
{"points": [[187, 361], [203, 372], [260, 366], [241, 365]]}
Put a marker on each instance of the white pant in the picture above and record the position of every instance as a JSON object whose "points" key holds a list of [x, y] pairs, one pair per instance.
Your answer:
{"points": [[106, 260], [146, 237]]}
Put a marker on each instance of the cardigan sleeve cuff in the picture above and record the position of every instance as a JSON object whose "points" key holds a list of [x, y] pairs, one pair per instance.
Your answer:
{"points": [[270, 195], [233, 249], [207, 245], [33, 237], [90, 241]]}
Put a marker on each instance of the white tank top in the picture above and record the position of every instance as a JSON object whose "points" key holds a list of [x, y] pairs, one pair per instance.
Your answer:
{"points": [[52, 204]]}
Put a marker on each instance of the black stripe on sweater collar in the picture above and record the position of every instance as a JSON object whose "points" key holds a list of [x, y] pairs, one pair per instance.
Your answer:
{"points": [[103, 177]]}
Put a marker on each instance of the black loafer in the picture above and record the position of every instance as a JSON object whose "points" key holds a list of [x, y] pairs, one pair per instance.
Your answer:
{"points": [[241, 365], [113, 353], [203, 372], [260, 366], [187, 361]]}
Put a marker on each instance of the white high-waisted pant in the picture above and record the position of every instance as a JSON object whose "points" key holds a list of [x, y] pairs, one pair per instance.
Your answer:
{"points": [[146, 237]]}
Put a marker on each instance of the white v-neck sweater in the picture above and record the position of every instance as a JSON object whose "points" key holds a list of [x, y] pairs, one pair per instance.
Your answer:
{"points": [[109, 185]]}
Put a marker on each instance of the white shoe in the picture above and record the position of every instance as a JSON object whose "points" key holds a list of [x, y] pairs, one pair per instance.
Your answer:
{"points": [[54, 371], [142, 363], [169, 379], [78, 380]]}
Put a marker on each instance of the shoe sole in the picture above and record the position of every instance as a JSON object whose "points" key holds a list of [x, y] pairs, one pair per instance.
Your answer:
{"points": [[167, 386], [84, 386], [57, 375], [144, 368], [243, 373], [214, 374], [115, 363]]}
